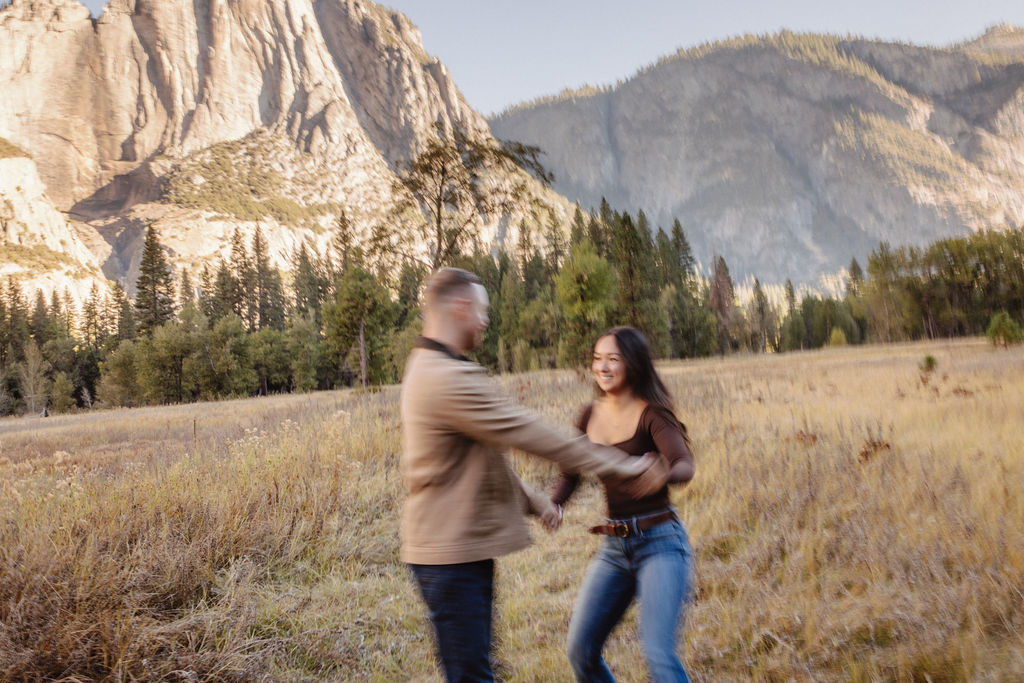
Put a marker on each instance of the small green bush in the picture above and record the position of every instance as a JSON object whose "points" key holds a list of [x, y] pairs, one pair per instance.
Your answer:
{"points": [[1003, 330], [928, 364], [837, 338]]}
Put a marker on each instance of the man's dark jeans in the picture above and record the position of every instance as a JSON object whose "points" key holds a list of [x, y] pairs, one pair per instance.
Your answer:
{"points": [[459, 598]]}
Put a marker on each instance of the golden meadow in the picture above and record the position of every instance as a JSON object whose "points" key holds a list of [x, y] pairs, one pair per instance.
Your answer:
{"points": [[855, 517]]}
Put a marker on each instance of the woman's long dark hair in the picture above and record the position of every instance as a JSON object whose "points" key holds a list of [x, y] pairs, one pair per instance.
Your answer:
{"points": [[641, 376]]}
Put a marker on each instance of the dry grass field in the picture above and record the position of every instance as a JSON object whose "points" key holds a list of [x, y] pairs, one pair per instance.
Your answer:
{"points": [[854, 518]]}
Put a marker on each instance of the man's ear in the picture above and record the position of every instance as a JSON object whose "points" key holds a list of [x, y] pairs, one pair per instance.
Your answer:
{"points": [[460, 307]]}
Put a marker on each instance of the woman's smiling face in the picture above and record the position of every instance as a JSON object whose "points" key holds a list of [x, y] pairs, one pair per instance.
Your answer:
{"points": [[608, 365]]}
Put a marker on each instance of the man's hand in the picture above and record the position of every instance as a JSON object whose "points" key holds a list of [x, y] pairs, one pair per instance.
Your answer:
{"points": [[551, 516], [651, 480]]}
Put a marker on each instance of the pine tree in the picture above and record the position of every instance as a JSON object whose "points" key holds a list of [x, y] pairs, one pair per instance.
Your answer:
{"points": [[855, 278], [269, 290], [246, 305], [721, 297], [154, 298], [687, 263], [763, 319], [586, 291], [68, 314], [42, 331], [186, 292], [17, 322], [578, 231], [207, 292], [92, 327], [342, 244], [125, 313], [226, 300], [309, 283]]}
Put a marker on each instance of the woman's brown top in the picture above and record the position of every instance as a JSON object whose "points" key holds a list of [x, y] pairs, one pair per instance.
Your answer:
{"points": [[658, 430]]}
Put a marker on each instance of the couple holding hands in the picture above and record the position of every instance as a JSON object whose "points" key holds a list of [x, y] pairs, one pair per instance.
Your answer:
{"points": [[465, 506]]}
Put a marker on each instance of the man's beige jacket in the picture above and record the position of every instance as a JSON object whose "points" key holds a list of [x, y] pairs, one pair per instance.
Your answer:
{"points": [[463, 501]]}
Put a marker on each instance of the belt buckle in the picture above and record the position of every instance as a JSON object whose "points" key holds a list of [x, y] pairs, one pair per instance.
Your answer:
{"points": [[621, 529]]}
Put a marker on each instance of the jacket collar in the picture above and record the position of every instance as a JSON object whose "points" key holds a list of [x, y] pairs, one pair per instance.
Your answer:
{"points": [[434, 345]]}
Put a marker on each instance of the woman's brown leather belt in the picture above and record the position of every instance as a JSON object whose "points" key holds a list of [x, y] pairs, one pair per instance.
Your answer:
{"points": [[631, 527]]}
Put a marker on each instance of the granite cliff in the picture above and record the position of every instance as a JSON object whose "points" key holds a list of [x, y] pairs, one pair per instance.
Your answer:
{"points": [[791, 154], [275, 113]]}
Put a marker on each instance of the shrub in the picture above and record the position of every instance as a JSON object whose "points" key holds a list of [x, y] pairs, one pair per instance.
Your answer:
{"points": [[1003, 330], [837, 338], [928, 364]]}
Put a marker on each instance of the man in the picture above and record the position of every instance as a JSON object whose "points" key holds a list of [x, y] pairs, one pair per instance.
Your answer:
{"points": [[464, 504]]}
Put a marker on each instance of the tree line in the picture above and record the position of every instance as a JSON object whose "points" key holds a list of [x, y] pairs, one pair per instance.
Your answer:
{"points": [[346, 319], [348, 314]]}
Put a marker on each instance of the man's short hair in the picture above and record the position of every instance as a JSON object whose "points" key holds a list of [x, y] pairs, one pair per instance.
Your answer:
{"points": [[444, 283]]}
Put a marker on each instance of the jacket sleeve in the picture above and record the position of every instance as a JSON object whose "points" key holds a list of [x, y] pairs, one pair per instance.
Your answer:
{"points": [[474, 407]]}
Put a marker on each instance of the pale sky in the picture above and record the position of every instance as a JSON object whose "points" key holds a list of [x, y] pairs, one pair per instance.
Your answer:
{"points": [[501, 52]]}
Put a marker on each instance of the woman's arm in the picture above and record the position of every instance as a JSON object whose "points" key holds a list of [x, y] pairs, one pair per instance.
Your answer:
{"points": [[669, 437]]}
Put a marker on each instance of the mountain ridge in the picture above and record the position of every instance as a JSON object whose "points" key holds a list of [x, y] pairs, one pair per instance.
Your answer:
{"points": [[792, 154]]}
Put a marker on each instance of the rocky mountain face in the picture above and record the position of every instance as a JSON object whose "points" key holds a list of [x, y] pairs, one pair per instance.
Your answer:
{"points": [[791, 154], [275, 113]]}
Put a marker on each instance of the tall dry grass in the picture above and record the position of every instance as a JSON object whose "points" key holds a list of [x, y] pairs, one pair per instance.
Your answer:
{"points": [[853, 517]]}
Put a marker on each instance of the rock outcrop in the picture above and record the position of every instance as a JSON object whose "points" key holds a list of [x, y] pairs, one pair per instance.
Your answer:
{"points": [[38, 245], [325, 97], [791, 154]]}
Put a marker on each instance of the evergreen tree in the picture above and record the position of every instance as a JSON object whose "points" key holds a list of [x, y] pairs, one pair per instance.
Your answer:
{"points": [[721, 300], [186, 291], [763, 320], [309, 283], [578, 229], [125, 313], [154, 299], [343, 243], [42, 330], [92, 327], [243, 272], [600, 230], [586, 290], [684, 255], [67, 318], [637, 287], [207, 293], [226, 300], [356, 323], [19, 332], [855, 277], [62, 398], [269, 289]]}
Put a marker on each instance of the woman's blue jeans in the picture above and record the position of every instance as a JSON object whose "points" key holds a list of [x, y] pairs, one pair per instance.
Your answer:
{"points": [[657, 565]]}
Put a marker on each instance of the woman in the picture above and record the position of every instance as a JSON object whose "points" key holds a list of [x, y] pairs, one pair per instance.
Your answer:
{"points": [[646, 552]]}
